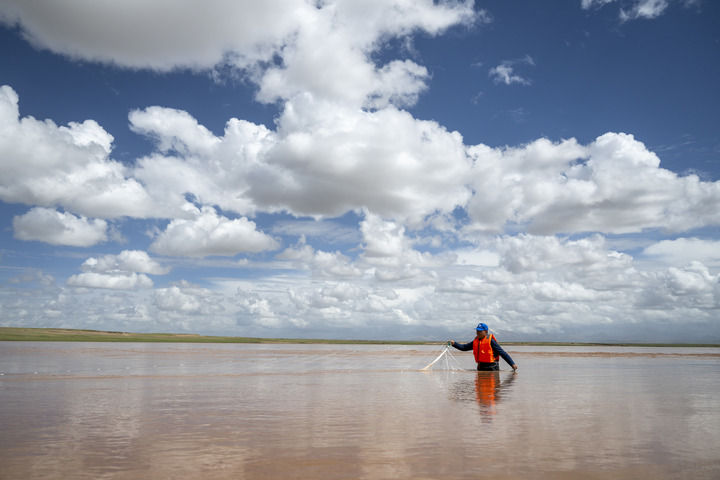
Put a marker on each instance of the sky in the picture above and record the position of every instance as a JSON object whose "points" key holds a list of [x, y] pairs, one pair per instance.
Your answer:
{"points": [[384, 169]]}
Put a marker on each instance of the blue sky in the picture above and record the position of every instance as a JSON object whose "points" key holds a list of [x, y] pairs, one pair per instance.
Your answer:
{"points": [[347, 169]]}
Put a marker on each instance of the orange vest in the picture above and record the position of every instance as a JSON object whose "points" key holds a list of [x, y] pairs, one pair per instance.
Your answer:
{"points": [[483, 351]]}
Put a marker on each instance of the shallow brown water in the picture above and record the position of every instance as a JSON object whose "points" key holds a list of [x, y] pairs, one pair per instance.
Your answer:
{"points": [[128, 411]]}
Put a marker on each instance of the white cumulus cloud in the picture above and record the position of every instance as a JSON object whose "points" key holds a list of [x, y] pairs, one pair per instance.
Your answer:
{"points": [[165, 34], [59, 228], [524, 253], [126, 271], [644, 9], [118, 281], [587, 4], [69, 166], [211, 234], [126, 261], [323, 160], [637, 9], [177, 299], [331, 160], [216, 170], [613, 185], [170, 34], [325, 264], [383, 238], [505, 72], [683, 251]]}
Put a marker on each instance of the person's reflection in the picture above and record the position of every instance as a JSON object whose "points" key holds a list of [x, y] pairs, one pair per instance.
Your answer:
{"points": [[489, 390], [486, 385]]}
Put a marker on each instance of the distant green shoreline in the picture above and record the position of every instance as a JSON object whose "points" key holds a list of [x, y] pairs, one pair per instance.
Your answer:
{"points": [[18, 334], [10, 334]]}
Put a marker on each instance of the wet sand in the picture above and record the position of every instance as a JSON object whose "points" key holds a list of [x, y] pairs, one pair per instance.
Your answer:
{"points": [[78, 410]]}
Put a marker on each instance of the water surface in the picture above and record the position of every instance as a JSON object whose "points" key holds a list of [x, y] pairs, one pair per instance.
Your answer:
{"points": [[148, 410]]}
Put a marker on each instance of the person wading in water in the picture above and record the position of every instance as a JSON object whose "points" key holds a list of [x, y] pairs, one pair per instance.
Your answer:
{"points": [[486, 349]]}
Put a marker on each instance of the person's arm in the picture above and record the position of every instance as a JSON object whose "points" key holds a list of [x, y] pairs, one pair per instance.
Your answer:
{"points": [[499, 351], [462, 346]]}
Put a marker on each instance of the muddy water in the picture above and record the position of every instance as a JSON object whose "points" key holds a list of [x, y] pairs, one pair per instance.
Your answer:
{"points": [[128, 411]]}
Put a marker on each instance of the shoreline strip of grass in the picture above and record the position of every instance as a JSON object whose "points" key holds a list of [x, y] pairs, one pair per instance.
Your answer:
{"points": [[20, 334], [8, 334]]}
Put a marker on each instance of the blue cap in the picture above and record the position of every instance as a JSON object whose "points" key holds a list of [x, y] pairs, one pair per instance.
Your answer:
{"points": [[481, 326]]}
